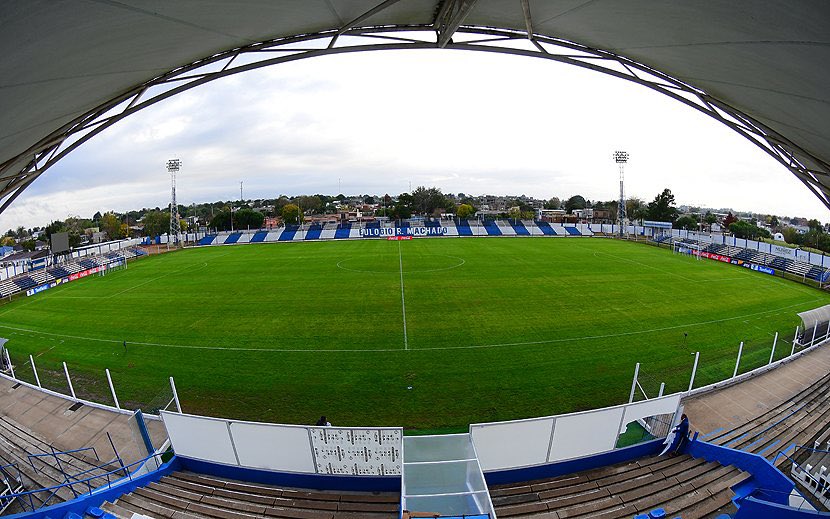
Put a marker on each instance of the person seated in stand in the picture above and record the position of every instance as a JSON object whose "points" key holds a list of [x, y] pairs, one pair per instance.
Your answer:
{"points": [[322, 422], [681, 436]]}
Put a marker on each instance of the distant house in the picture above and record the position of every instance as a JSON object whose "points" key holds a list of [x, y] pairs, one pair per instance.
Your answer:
{"points": [[25, 258], [550, 215]]}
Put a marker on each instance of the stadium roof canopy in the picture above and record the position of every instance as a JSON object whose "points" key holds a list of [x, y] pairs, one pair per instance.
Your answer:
{"points": [[69, 69]]}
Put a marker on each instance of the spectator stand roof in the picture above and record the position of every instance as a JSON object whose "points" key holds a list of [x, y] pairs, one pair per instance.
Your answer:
{"points": [[72, 68]]}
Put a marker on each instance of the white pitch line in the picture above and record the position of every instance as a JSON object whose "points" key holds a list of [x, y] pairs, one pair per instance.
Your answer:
{"points": [[403, 300], [383, 350]]}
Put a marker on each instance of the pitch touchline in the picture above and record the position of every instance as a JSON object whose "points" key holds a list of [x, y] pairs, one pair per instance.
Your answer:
{"points": [[403, 300], [380, 350]]}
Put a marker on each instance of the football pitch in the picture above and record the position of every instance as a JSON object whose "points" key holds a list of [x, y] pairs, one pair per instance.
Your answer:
{"points": [[429, 334]]}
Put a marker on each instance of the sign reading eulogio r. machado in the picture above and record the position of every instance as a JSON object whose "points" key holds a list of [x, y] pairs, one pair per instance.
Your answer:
{"points": [[383, 232]]}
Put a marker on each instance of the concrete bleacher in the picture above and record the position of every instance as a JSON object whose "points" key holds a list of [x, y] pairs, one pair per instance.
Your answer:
{"points": [[39, 277], [492, 228], [185, 494], [798, 268], [33, 423], [682, 486], [505, 228]]}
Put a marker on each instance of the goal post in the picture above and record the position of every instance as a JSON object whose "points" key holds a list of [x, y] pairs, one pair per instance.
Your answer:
{"points": [[690, 249]]}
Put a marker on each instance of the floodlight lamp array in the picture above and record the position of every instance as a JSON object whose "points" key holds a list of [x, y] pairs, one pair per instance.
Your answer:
{"points": [[174, 164], [621, 157]]}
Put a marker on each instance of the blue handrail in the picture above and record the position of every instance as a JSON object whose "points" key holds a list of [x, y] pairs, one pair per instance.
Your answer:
{"points": [[90, 490], [798, 465], [57, 453]]}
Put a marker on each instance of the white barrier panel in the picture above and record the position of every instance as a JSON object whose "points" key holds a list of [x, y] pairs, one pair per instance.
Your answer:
{"points": [[199, 437], [357, 452], [585, 433], [512, 444], [523, 443], [653, 407], [784, 252], [289, 448], [273, 447]]}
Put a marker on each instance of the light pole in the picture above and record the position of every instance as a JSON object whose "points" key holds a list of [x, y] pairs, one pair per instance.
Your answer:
{"points": [[173, 166], [621, 158]]}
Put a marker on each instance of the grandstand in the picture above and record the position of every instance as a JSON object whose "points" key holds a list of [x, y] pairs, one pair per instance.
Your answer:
{"points": [[743, 255], [724, 70], [68, 271]]}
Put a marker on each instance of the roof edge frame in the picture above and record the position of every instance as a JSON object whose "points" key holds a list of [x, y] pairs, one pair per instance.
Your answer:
{"points": [[51, 148]]}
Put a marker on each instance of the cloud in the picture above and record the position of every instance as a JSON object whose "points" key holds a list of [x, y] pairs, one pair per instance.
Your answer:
{"points": [[376, 122]]}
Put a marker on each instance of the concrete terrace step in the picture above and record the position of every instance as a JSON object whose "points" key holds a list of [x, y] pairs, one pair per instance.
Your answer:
{"points": [[204, 496], [286, 492], [816, 391], [622, 490]]}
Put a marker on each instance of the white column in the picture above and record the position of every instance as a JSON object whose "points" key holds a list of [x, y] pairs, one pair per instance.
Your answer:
{"points": [[772, 353], [69, 381], [815, 328], [112, 388], [694, 371], [795, 338], [662, 388], [634, 382], [738, 363], [175, 395], [9, 362], [37, 379]]}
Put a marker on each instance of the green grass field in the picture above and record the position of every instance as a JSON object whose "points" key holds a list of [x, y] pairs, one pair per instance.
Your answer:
{"points": [[496, 329]]}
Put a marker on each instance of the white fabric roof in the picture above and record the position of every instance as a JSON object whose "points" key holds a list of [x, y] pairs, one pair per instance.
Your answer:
{"points": [[62, 59]]}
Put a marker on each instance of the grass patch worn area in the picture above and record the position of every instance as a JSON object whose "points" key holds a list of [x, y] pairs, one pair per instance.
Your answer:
{"points": [[496, 329]]}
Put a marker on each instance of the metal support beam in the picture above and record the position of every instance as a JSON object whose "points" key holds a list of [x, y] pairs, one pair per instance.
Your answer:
{"points": [[528, 19], [354, 23], [455, 14], [17, 173]]}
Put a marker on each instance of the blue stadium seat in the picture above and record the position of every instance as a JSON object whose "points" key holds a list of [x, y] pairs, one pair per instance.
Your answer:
{"points": [[313, 232], [289, 233], [59, 272], [463, 227], [573, 231], [342, 231], [491, 228], [545, 227], [520, 228], [24, 282], [259, 236], [233, 238], [207, 240]]}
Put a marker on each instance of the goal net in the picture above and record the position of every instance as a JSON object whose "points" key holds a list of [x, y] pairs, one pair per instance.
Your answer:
{"points": [[687, 248]]}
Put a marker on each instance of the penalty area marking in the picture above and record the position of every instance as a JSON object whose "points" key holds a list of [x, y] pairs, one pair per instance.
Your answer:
{"points": [[381, 350]]}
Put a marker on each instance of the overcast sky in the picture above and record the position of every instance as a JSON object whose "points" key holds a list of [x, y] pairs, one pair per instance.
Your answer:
{"points": [[380, 122]]}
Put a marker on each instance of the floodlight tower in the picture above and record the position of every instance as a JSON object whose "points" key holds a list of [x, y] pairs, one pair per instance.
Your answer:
{"points": [[621, 158], [173, 166]]}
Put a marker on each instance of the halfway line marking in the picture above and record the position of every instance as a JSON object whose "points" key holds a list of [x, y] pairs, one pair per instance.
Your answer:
{"points": [[403, 300]]}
